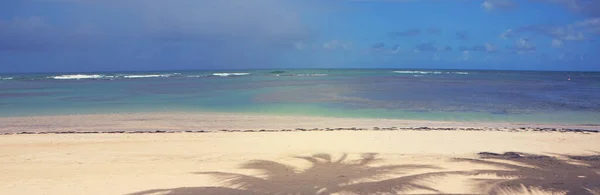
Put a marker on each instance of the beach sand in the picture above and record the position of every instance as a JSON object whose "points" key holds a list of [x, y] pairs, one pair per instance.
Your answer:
{"points": [[296, 162], [188, 163], [181, 121]]}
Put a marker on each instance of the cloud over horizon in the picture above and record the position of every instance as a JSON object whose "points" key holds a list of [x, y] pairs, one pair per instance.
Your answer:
{"points": [[71, 35], [491, 5]]}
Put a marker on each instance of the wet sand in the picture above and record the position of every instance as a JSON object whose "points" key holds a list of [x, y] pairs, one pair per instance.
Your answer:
{"points": [[177, 121]]}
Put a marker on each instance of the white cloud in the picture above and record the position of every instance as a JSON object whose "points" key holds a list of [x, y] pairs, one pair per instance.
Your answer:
{"points": [[490, 5], [524, 43], [336, 44], [556, 43], [395, 49], [589, 22], [575, 37], [487, 5], [436, 56], [330, 45], [465, 55], [523, 46], [489, 47], [586, 7], [300, 45], [578, 31], [507, 34]]}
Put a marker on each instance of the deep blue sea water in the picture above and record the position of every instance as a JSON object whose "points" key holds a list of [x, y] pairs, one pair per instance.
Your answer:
{"points": [[448, 95]]}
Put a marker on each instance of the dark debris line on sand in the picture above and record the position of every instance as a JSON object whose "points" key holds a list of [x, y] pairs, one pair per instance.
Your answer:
{"points": [[521, 129]]}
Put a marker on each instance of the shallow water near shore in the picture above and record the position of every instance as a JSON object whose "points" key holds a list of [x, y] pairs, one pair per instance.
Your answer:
{"points": [[438, 95]]}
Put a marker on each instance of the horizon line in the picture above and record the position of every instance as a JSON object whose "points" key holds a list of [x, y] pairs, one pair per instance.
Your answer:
{"points": [[254, 69]]}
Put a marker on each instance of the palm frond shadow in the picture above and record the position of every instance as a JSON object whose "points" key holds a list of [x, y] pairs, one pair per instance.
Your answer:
{"points": [[592, 160], [324, 176], [575, 175], [195, 191]]}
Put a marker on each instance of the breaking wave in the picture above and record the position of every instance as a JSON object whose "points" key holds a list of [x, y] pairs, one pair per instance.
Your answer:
{"points": [[226, 74], [111, 77], [310, 75], [301, 75], [428, 72], [6, 78], [196, 76], [77, 76], [146, 76]]}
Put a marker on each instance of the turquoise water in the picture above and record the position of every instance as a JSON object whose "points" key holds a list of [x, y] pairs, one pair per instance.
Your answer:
{"points": [[445, 95]]}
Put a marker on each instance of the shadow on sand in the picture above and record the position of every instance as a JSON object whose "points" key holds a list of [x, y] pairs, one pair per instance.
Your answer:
{"points": [[521, 173], [514, 173], [324, 176]]}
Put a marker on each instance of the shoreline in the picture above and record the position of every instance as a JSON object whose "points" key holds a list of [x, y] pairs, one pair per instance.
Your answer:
{"points": [[541, 130], [200, 122]]}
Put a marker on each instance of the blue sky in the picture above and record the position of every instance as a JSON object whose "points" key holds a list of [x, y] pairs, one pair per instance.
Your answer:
{"points": [[119, 35]]}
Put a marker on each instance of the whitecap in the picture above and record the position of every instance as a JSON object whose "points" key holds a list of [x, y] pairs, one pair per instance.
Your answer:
{"points": [[415, 72], [143, 76], [226, 74], [427, 72], [195, 76], [6, 78], [77, 76], [310, 75], [149, 75]]}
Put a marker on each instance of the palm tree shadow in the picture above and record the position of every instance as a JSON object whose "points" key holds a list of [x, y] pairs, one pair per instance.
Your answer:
{"points": [[195, 191], [574, 175], [324, 176], [592, 160]]}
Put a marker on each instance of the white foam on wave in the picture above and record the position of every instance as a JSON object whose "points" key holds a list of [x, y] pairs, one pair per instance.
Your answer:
{"points": [[149, 75], [77, 76], [111, 77], [418, 72], [142, 76], [226, 74], [311, 75], [196, 76], [6, 78], [427, 72]]}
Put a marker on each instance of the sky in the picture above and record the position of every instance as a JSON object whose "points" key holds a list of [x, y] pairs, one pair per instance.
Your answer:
{"points": [[130, 35]]}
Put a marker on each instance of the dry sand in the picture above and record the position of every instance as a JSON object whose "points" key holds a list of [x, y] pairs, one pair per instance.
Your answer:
{"points": [[188, 163]]}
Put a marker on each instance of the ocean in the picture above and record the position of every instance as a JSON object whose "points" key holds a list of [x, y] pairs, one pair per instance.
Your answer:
{"points": [[439, 95]]}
